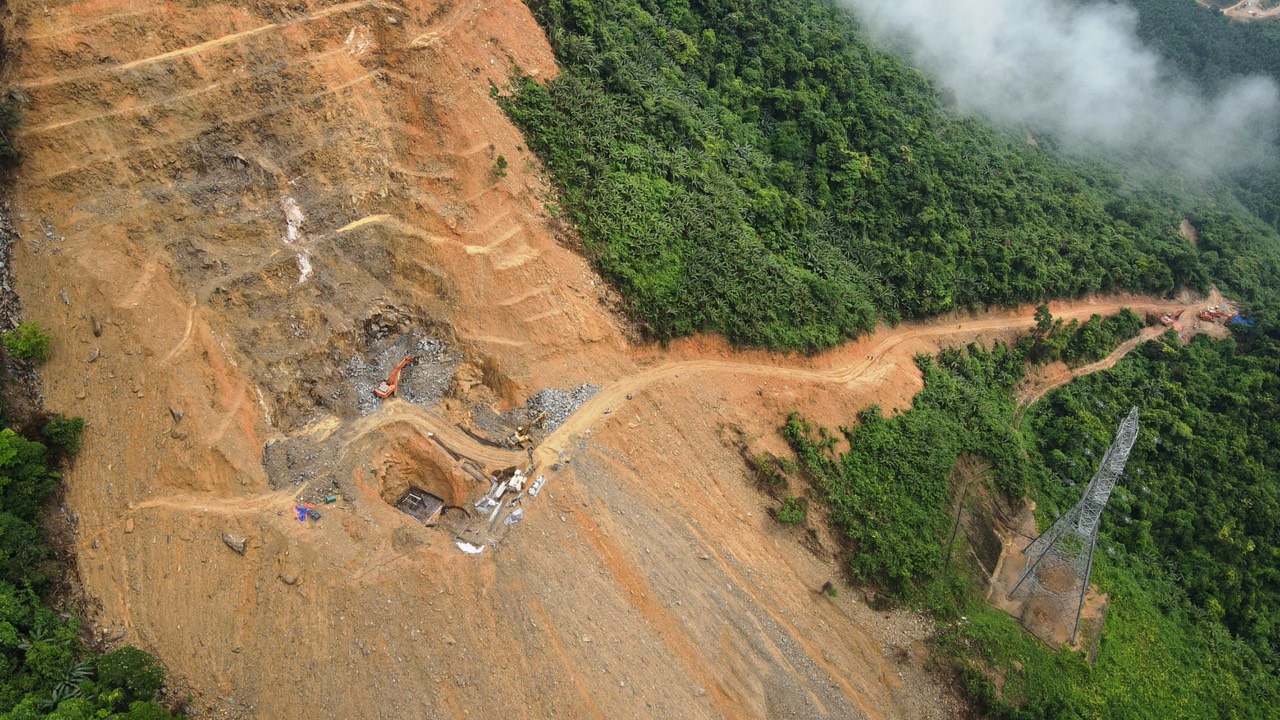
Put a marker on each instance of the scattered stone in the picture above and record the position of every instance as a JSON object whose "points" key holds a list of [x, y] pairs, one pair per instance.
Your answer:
{"points": [[235, 543], [289, 578], [448, 640], [424, 382], [94, 354], [560, 404], [97, 326], [96, 544], [128, 525], [177, 413], [66, 299]]}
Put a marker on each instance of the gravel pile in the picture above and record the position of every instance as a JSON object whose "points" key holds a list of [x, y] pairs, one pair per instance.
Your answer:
{"points": [[560, 404], [422, 383]]}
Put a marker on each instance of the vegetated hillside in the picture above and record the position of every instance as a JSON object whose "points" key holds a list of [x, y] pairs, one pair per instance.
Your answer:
{"points": [[755, 169], [1213, 51], [1203, 492], [45, 668], [1187, 552]]}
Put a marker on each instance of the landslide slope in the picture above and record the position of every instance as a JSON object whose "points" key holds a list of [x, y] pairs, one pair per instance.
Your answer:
{"points": [[222, 205]]}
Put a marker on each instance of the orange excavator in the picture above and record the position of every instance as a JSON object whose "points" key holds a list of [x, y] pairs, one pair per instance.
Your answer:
{"points": [[1213, 313], [388, 386]]}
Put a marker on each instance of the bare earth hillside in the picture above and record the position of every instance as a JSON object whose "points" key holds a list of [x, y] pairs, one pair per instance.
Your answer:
{"points": [[236, 218]]}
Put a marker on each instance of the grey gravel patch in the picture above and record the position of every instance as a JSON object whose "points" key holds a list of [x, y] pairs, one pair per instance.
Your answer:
{"points": [[557, 404], [560, 404], [294, 461], [496, 426], [423, 382]]}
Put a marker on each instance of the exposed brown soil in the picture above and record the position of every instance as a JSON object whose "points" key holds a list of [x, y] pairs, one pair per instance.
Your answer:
{"points": [[1251, 10], [1049, 615], [248, 206], [1189, 232], [1042, 379]]}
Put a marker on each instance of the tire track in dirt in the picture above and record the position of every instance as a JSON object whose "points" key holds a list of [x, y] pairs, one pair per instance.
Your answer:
{"points": [[432, 423], [206, 45], [428, 38], [215, 504], [547, 625], [169, 100], [874, 368], [1030, 396], [124, 152], [640, 597]]}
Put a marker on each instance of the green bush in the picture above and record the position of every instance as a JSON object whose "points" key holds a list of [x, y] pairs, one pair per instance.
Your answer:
{"points": [[136, 672], [793, 510], [146, 711], [28, 342], [64, 432], [25, 482]]}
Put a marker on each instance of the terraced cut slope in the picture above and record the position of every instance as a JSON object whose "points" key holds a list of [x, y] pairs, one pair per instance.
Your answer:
{"points": [[232, 215]]}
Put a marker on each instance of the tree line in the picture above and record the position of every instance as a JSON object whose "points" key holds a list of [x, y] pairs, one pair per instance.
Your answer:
{"points": [[757, 170]]}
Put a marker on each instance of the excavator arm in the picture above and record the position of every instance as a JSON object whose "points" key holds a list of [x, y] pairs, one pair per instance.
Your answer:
{"points": [[388, 387]]}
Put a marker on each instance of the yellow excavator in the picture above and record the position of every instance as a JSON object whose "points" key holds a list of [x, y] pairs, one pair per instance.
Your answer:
{"points": [[521, 436], [388, 386]]}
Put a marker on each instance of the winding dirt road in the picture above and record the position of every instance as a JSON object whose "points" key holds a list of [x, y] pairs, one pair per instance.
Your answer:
{"points": [[874, 368], [836, 368]]}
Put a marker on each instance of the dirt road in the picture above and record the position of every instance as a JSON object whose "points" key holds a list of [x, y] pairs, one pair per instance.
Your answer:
{"points": [[1250, 10], [225, 208]]}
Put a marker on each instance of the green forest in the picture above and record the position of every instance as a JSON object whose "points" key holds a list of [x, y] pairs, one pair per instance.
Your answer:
{"points": [[1212, 52], [1188, 551], [755, 169]]}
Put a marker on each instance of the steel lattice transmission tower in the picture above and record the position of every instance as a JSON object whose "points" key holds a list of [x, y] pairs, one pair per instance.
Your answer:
{"points": [[1060, 560]]}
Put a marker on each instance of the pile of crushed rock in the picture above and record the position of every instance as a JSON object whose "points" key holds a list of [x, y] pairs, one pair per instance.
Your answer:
{"points": [[560, 404]]}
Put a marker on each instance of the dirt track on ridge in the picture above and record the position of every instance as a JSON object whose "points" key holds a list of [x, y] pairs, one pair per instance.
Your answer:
{"points": [[223, 205]]}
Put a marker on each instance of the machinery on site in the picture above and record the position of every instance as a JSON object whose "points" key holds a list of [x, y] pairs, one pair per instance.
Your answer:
{"points": [[1168, 319], [1214, 312], [520, 437], [388, 387]]}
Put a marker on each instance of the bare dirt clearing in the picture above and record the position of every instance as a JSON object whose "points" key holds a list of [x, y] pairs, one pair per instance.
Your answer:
{"points": [[1248, 10], [251, 208]]}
